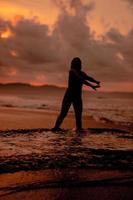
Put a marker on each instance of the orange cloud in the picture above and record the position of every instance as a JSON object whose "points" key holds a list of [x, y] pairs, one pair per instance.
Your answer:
{"points": [[14, 12], [6, 34], [14, 53], [7, 11], [16, 19], [12, 71], [39, 52]]}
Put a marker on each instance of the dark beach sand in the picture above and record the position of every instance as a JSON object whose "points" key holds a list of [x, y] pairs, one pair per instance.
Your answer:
{"points": [[36, 163], [67, 184]]}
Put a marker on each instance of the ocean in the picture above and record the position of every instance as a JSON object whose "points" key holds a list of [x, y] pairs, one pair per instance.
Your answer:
{"points": [[116, 107], [40, 148]]}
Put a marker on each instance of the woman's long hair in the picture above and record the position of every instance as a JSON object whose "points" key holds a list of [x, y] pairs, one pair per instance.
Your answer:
{"points": [[76, 64]]}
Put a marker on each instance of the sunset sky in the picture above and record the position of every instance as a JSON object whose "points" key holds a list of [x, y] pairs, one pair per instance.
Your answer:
{"points": [[38, 39]]}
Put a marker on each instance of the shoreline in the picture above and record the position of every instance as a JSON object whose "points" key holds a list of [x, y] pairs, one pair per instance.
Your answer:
{"points": [[28, 146], [67, 184], [25, 118]]}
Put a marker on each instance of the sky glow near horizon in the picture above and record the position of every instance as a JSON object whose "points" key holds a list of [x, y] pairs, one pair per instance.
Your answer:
{"points": [[39, 38]]}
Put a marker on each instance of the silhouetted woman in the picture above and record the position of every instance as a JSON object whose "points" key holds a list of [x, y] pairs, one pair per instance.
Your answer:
{"points": [[73, 93]]}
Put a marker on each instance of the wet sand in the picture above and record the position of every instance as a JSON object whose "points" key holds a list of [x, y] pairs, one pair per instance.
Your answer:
{"points": [[19, 118], [67, 184], [36, 163]]}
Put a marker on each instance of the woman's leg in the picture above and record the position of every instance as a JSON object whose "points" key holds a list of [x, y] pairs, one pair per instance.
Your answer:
{"points": [[77, 104], [64, 110]]}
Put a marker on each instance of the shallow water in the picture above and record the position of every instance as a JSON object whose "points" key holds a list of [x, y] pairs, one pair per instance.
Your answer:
{"points": [[116, 107], [67, 184], [42, 148]]}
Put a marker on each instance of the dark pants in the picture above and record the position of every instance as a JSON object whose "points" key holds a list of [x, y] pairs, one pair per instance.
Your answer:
{"points": [[75, 99]]}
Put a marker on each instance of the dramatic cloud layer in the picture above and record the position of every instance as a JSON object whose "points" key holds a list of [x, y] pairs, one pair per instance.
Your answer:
{"points": [[30, 52]]}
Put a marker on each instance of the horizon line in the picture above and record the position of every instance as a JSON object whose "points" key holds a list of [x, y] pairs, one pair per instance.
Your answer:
{"points": [[61, 87]]}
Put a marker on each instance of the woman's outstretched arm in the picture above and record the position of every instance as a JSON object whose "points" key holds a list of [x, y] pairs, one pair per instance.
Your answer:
{"points": [[83, 80], [89, 78]]}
